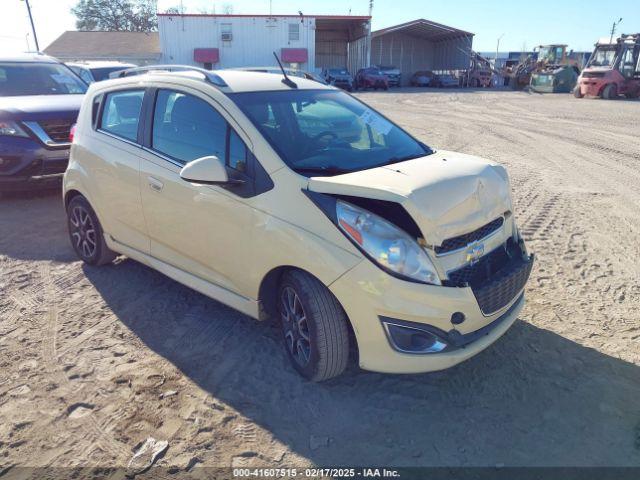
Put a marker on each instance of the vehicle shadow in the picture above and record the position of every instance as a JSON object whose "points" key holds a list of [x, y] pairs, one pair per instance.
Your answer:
{"points": [[533, 398], [34, 226]]}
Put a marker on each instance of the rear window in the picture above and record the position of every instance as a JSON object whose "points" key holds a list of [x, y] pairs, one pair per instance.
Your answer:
{"points": [[32, 78], [121, 113], [103, 73]]}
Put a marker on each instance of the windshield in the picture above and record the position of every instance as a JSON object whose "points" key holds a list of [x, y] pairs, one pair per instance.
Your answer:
{"points": [[603, 57], [320, 132], [38, 79], [550, 54]]}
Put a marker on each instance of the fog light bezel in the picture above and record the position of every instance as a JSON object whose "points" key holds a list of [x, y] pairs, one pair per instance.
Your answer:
{"points": [[439, 345]]}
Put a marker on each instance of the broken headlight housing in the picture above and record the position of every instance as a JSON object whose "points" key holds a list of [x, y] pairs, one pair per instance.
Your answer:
{"points": [[385, 244]]}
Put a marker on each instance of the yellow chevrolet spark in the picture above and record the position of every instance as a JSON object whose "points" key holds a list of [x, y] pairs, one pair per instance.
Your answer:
{"points": [[292, 199]]}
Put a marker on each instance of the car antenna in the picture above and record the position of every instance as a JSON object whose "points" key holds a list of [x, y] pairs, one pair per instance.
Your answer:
{"points": [[286, 80]]}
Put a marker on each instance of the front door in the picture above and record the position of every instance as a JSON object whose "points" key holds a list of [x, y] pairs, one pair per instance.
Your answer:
{"points": [[195, 228]]}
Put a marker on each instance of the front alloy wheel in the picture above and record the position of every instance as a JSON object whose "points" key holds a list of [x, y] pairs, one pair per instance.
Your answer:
{"points": [[314, 326], [295, 327]]}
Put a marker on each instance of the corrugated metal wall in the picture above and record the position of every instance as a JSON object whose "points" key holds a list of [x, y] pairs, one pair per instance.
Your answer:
{"points": [[452, 54], [359, 51], [254, 39], [406, 52], [410, 53], [331, 48]]}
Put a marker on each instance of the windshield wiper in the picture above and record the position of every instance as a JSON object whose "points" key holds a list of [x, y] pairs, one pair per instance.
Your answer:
{"points": [[330, 170], [393, 160]]}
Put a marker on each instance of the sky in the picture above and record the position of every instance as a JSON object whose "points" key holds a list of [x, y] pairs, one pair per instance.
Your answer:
{"points": [[578, 23]]}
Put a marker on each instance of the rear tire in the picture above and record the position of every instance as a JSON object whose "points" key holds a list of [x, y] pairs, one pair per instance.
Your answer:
{"points": [[85, 233], [314, 327], [610, 92]]}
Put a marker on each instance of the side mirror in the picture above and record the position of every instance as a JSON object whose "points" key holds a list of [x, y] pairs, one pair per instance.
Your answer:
{"points": [[207, 171]]}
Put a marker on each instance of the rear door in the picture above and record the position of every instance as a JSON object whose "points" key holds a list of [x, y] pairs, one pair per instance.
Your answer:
{"points": [[202, 230], [114, 161]]}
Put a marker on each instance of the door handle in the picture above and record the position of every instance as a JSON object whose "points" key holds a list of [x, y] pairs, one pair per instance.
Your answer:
{"points": [[155, 184]]}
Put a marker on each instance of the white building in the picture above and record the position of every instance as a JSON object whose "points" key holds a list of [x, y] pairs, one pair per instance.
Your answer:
{"points": [[309, 42]]}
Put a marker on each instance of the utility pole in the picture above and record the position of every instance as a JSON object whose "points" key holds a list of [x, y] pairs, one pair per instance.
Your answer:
{"points": [[613, 29], [495, 64], [367, 61], [33, 28]]}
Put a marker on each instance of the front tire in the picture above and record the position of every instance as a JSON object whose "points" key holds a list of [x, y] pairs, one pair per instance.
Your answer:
{"points": [[577, 92], [314, 327], [610, 92], [85, 233]]}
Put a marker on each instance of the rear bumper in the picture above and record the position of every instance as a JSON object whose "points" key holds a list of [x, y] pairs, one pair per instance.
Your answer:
{"points": [[27, 165]]}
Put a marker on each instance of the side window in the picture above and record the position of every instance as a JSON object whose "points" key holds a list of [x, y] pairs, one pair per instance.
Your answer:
{"points": [[627, 67], [186, 127], [121, 113], [237, 152], [294, 32], [85, 75]]}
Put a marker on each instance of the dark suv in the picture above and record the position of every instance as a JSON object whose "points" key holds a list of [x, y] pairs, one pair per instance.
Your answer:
{"points": [[340, 77], [39, 103]]}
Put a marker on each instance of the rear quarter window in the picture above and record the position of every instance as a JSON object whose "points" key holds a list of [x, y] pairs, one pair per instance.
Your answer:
{"points": [[121, 113]]}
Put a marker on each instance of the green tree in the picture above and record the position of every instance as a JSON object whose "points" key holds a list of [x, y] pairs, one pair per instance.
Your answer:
{"points": [[116, 15]]}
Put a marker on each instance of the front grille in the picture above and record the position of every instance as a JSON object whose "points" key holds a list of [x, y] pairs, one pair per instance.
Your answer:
{"points": [[58, 130], [497, 278], [461, 241]]}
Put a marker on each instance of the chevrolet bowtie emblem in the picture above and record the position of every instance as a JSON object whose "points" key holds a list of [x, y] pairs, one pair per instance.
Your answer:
{"points": [[474, 253]]}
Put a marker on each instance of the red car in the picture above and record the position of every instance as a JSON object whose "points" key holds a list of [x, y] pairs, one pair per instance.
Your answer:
{"points": [[371, 78]]}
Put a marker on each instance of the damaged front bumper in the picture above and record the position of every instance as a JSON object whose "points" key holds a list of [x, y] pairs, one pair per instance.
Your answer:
{"points": [[405, 327]]}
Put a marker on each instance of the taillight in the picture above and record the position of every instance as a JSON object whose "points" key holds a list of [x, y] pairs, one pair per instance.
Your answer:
{"points": [[72, 133]]}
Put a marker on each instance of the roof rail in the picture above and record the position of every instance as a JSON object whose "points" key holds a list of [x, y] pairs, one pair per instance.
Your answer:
{"points": [[209, 76]]}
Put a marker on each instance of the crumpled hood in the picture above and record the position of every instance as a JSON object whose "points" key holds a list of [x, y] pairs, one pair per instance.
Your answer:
{"points": [[34, 107], [447, 193]]}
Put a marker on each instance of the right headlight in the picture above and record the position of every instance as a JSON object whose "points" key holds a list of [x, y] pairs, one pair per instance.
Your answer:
{"points": [[11, 129], [385, 244]]}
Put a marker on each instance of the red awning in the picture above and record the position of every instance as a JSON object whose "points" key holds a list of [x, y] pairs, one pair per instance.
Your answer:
{"points": [[294, 55], [206, 55]]}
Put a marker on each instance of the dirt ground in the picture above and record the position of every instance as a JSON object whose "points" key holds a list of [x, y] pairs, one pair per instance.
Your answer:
{"points": [[94, 361]]}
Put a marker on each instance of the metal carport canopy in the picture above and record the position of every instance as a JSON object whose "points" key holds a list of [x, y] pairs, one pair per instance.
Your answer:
{"points": [[425, 29]]}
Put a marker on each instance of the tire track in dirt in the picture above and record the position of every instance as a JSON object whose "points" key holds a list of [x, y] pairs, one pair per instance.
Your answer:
{"points": [[95, 437]]}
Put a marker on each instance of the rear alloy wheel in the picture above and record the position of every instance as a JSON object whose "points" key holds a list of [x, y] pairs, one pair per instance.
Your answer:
{"points": [[314, 327], [86, 233], [610, 92]]}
